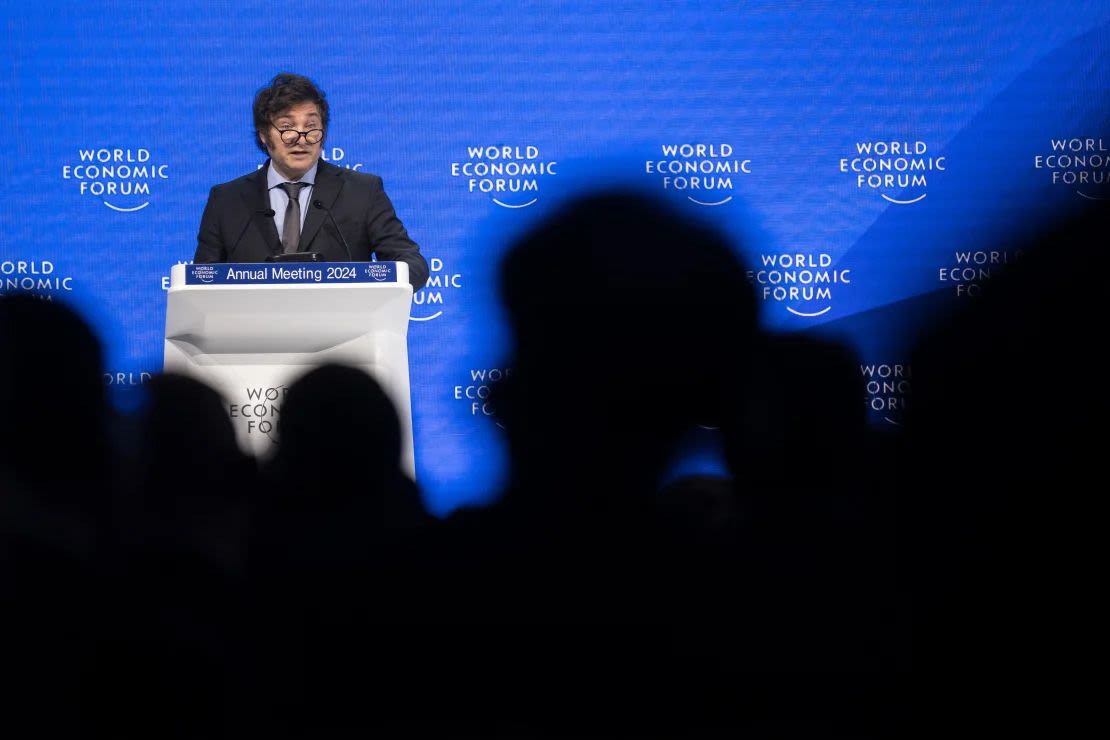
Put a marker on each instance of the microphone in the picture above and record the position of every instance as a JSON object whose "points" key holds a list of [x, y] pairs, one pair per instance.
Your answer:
{"points": [[320, 204], [269, 213]]}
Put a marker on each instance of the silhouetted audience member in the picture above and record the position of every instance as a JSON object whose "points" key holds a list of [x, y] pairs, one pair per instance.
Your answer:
{"points": [[818, 542], [334, 509], [340, 445], [191, 481], [173, 655], [630, 325], [701, 511], [646, 316], [1000, 536], [54, 404], [53, 497], [804, 420]]}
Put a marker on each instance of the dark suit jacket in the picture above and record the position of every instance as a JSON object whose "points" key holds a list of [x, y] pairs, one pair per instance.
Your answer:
{"points": [[234, 227]]}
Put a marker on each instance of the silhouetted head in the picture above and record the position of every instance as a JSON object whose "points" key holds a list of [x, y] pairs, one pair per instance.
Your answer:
{"points": [[1000, 536], [628, 323], [52, 394], [188, 446], [338, 426], [804, 418], [700, 509]]}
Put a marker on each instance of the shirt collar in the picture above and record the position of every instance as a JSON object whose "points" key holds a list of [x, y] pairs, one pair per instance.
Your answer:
{"points": [[273, 179]]}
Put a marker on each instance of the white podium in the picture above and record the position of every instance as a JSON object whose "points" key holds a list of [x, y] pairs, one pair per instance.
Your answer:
{"points": [[249, 330]]}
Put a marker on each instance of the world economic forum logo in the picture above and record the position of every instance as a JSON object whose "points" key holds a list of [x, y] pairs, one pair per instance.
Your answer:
{"points": [[899, 171], [428, 303], [40, 277], [204, 273], [971, 268], [377, 272], [705, 173], [122, 179], [803, 282], [509, 175], [887, 387], [1078, 163], [127, 377], [475, 393], [258, 409]]}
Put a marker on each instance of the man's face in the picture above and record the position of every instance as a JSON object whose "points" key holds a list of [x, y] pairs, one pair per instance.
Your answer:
{"points": [[294, 160]]}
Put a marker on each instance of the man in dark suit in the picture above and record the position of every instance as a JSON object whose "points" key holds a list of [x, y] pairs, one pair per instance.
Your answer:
{"points": [[298, 203]]}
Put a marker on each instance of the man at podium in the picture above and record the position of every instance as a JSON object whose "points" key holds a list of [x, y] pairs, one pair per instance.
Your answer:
{"points": [[298, 206]]}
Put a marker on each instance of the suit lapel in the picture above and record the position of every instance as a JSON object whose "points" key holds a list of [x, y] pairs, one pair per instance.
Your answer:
{"points": [[326, 190], [257, 197]]}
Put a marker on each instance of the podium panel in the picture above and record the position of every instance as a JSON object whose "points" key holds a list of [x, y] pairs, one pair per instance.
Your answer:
{"points": [[250, 330]]}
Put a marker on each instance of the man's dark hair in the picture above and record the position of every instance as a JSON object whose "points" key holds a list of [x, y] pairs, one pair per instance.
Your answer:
{"points": [[282, 93]]}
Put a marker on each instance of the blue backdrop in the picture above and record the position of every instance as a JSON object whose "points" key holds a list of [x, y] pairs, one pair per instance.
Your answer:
{"points": [[874, 163]]}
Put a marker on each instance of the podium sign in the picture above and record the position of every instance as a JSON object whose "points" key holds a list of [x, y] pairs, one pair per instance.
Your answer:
{"points": [[250, 330], [292, 273]]}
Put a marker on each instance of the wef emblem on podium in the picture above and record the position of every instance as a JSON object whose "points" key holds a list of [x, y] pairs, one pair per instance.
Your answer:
{"points": [[204, 273], [379, 272]]}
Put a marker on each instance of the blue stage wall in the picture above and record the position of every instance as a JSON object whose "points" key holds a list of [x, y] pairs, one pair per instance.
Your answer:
{"points": [[893, 152]]}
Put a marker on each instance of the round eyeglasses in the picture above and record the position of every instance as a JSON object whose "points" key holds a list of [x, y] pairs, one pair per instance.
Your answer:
{"points": [[291, 135]]}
